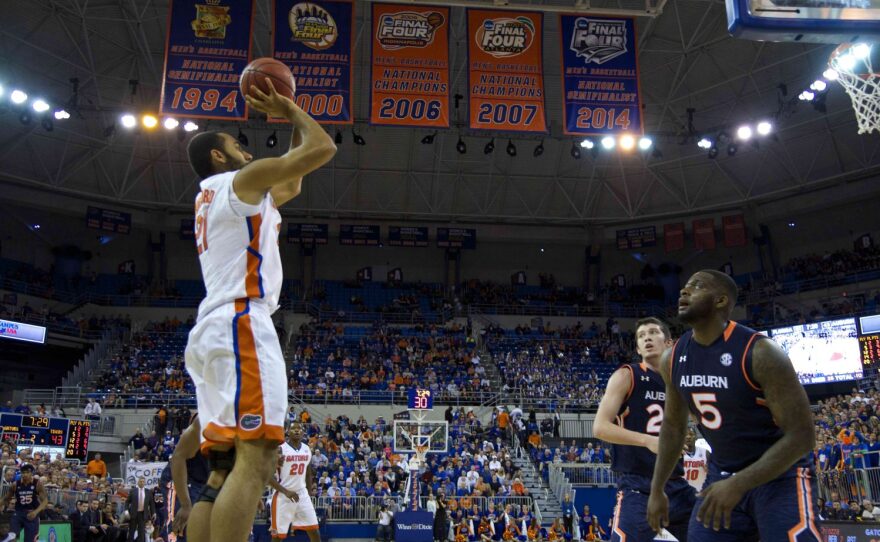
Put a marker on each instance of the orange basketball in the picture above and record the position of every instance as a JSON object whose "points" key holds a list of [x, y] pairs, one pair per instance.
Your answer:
{"points": [[257, 71]]}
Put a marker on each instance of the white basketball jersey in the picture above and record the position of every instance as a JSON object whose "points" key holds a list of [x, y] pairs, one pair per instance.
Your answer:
{"points": [[695, 466], [292, 473], [237, 244]]}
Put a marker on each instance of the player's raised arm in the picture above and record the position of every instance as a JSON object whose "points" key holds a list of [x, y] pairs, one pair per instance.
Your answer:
{"points": [[604, 426], [282, 193], [672, 435], [254, 180]]}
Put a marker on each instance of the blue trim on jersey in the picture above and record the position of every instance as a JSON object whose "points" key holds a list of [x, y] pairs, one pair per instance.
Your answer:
{"points": [[259, 270], [250, 228], [247, 309]]}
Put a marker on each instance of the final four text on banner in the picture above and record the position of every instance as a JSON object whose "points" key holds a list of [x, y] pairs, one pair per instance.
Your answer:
{"points": [[208, 46], [600, 76], [314, 40], [410, 79], [505, 70]]}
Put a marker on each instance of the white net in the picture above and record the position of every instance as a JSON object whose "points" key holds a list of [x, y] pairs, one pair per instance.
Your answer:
{"points": [[855, 72]]}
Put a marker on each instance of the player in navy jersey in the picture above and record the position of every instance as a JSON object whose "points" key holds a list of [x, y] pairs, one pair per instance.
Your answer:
{"points": [[744, 391], [629, 417], [30, 499]]}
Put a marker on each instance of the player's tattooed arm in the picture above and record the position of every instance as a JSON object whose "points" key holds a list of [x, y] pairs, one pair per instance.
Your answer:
{"points": [[672, 435], [790, 407]]}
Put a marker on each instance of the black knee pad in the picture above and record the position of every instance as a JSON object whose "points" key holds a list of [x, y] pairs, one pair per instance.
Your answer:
{"points": [[221, 460], [208, 494]]}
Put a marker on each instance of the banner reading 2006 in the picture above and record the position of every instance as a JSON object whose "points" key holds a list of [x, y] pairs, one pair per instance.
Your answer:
{"points": [[209, 44], [505, 70], [600, 76], [314, 40], [410, 78]]}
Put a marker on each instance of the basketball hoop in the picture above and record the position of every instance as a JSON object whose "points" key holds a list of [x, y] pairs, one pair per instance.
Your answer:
{"points": [[855, 72]]}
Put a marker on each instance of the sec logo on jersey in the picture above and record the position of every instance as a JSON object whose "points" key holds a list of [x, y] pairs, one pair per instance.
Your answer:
{"points": [[726, 359]]}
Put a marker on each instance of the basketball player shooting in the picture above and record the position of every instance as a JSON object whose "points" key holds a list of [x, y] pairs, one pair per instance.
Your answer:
{"points": [[233, 354], [291, 504], [629, 417], [754, 413]]}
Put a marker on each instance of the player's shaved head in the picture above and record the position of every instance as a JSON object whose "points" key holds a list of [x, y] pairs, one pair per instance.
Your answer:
{"points": [[725, 285]]}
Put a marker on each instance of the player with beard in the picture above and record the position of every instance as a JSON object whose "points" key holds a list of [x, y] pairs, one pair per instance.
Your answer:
{"points": [[629, 417], [753, 412]]}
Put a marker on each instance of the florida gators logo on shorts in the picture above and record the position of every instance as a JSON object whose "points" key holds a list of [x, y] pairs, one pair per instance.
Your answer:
{"points": [[249, 422]]}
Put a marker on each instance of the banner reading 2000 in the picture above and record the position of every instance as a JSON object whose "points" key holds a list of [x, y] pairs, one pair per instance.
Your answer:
{"points": [[600, 76], [314, 40], [505, 70], [209, 44], [410, 79]]}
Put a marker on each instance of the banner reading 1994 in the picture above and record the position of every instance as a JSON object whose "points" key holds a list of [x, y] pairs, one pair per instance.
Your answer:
{"points": [[410, 66], [600, 76], [314, 40], [208, 46], [505, 70]]}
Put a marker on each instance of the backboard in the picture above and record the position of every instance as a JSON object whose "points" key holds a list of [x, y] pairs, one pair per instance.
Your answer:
{"points": [[816, 21], [409, 434]]}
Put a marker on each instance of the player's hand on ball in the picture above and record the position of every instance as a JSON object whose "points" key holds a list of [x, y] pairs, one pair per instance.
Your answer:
{"points": [[719, 500], [658, 511], [273, 104]]}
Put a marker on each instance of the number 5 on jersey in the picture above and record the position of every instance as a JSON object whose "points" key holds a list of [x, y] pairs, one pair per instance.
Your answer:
{"points": [[703, 402]]}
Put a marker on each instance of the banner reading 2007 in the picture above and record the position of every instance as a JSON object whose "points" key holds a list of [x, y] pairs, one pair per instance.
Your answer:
{"points": [[505, 70], [600, 76], [208, 46], [410, 78], [314, 40]]}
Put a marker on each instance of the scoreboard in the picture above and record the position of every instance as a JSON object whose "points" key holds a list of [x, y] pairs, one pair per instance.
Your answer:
{"points": [[869, 339], [70, 437]]}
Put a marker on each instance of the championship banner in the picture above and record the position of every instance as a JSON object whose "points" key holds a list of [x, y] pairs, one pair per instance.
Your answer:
{"points": [[359, 235], [704, 233], [600, 76], [308, 234], [149, 471], [108, 220], [207, 47], [407, 236], [465, 238], [410, 66], [636, 238], [315, 40], [734, 227], [673, 236], [505, 70]]}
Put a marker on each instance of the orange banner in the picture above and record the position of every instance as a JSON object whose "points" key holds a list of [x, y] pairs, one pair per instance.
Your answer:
{"points": [[410, 59], [505, 70]]}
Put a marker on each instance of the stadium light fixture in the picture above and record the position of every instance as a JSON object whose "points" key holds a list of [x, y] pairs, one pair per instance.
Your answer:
{"points": [[645, 143], [190, 126], [744, 133], [40, 105], [587, 144], [627, 142], [128, 121], [171, 123], [608, 143], [764, 127], [149, 121], [18, 97]]}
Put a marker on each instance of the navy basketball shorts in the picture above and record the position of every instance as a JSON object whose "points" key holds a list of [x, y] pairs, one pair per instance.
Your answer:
{"points": [[783, 510], [631, 513], [31, 527]]}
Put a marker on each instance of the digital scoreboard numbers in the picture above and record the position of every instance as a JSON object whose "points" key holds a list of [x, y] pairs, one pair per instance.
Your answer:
{"points": [[420, 399], [869, 339], [70, 437]]}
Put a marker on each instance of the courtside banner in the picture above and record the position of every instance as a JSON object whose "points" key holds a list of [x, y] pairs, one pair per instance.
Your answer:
{"points": [[315, 40], [600, 76], [208, 46], [505, 70], [410, 66]]}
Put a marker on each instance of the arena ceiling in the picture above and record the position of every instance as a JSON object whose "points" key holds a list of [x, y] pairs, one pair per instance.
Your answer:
{"points": [[687, 61]]}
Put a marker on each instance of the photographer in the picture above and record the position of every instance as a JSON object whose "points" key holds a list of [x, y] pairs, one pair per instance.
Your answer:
{"points": [[385, 532]]}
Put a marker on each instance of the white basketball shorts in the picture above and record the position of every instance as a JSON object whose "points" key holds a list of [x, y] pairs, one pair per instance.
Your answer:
{"points": [[286, 513]]}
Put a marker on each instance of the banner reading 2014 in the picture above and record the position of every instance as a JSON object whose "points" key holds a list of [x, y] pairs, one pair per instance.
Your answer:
{"points": [[314, 40], [505, 70], [209, 44], [410, 68], [600, 76]]}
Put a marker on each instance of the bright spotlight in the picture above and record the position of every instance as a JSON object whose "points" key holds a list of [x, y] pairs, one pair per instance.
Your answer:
{"points": [[764, 128], [190, 126], [744, 132], [819, 85], [170, 123], [587, 144], [1, 90], [847, 62], [830, 74], [608, 143], [806, 96], [149, 121], [627, 142], [61, 115], [645, 143], [129, 121], [18, 97], [705, 143], [40, 106], [861, 51]]}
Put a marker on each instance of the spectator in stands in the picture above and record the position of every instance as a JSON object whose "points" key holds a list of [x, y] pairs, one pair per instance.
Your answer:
{"points": [[92, 410], [568, 513], [52, 514], [384, 531], [97, 467], [137, 440], [79, 521], [9, 408]]}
